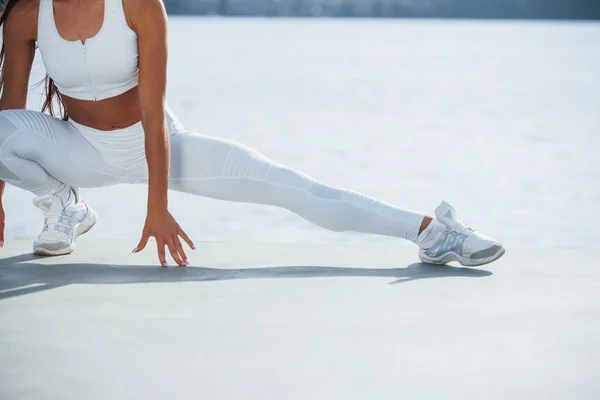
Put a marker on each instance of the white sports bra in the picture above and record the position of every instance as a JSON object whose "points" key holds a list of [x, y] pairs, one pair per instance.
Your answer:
{"points": [[105, 66]]}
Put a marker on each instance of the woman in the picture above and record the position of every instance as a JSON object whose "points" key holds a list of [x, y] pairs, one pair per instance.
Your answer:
{"points": [[107, 67]]}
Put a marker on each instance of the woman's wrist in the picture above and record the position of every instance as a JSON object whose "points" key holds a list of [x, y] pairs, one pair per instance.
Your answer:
{"points": [[157, 204]]}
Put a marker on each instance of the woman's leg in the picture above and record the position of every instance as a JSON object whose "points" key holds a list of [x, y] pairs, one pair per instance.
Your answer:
{"points": [[225, 170], [44, 155], [49, 158]]}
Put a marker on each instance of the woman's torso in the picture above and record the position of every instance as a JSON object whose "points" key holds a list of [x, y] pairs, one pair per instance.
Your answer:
{"points": [[91, 54]]}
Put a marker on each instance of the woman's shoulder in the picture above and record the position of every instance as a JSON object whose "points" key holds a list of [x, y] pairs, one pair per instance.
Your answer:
{"points": [[20, 8], [141, 4], [22, 16], [140, 8]]}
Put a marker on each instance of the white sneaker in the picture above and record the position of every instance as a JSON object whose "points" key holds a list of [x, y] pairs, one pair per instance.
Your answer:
{"points": [[63, 223], [459, 243]]}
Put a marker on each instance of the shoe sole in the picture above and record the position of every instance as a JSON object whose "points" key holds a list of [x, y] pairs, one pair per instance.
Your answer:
{"points": [[450, 257], [82, 229]]}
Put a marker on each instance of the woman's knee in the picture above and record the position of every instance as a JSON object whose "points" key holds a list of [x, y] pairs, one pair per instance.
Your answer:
{"points": [[22, 128], [8, 129]]}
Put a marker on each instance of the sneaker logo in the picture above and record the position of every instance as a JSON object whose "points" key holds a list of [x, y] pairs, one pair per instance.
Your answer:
{"points": [[449, 214], [47, 204]]}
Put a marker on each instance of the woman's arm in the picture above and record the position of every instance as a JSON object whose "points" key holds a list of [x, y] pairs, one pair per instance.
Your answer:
{"points": [[20, 31], [149, 20], [150, 23]]}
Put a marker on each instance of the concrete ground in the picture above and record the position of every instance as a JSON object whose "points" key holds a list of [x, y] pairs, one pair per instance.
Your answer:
{"points": [[297, 322]]}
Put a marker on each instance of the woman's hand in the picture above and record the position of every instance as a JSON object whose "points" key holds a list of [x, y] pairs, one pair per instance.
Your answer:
{"points": [[166, 231], [2, 215], [2, 218]]}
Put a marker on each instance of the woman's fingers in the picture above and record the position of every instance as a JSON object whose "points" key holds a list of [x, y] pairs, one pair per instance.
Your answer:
{"points": [[180, 251], [143, 242], [174, 253], [160, 245], [171, 240], [185, 237]]}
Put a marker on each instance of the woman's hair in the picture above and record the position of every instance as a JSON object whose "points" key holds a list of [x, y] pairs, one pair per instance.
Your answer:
{"points": [[51, 91]]}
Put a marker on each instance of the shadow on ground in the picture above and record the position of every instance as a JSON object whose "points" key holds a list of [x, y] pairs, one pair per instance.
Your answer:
{"points": [[19, 276]]}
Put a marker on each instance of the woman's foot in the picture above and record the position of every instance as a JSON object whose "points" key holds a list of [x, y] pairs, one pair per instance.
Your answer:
{"points": [[448, 239], [63, 223]]}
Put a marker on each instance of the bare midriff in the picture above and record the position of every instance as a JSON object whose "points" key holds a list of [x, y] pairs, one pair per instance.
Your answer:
{"points": [[114, 113]]}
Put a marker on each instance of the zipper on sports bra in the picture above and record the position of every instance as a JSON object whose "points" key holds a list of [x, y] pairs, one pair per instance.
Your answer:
{"points": [[87, 70]]}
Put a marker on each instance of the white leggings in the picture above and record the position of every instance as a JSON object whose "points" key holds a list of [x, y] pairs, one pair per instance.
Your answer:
{"points": [[43, 155]]}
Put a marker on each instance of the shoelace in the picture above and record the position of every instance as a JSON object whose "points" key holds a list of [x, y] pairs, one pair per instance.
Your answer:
{"points": [[460, 227], [453, 236], [451, 240], [62, 224]]}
